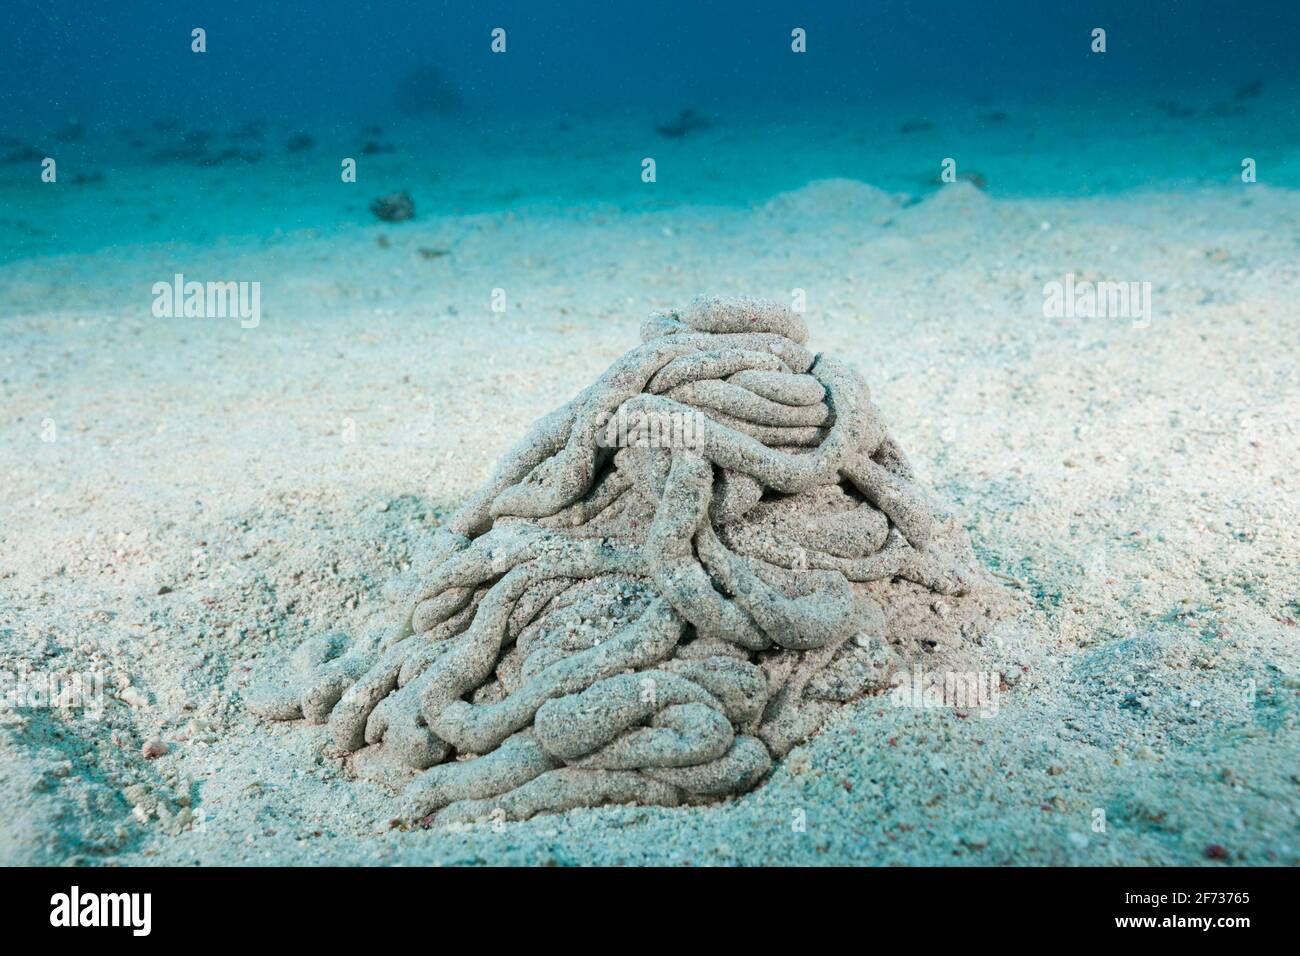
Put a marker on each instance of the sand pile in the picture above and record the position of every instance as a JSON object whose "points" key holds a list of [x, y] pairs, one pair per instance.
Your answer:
{"points": [[834, 200], [671, 581]]}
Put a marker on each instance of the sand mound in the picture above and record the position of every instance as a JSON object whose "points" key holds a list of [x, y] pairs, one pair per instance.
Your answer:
{"points": [[834, 199], [962, 194], [671, 581], [961, 201]]}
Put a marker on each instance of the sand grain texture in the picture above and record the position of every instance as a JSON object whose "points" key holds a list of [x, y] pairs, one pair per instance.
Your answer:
{"points": [[213, 496]]}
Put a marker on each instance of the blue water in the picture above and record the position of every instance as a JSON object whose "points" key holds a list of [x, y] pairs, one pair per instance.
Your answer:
{"points": [[585, 90], [341, 60]]}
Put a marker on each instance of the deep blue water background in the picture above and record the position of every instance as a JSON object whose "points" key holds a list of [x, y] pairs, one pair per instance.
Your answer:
{"points": [[340, 60]]}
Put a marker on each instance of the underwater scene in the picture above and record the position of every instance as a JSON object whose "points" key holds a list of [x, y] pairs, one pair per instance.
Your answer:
{"points": [[676, 434]]}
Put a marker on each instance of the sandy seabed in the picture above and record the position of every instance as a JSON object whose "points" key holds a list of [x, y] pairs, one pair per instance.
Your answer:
{"points": [[185, 500]]}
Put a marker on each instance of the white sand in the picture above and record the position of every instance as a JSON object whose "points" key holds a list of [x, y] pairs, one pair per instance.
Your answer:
{"points": [[1140, 483]]}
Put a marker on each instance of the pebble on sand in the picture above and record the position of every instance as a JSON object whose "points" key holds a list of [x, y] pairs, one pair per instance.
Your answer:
{"points": [[153, 748], [133, 698]]}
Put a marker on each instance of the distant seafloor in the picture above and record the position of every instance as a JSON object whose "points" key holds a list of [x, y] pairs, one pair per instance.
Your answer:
{"points": [[240, 177]]}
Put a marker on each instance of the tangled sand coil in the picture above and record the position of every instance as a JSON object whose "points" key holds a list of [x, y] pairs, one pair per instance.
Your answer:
{"points": [[670, 582]]}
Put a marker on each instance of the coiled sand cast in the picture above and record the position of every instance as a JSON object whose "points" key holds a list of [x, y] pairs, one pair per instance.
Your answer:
{"points": [[669, 583]]}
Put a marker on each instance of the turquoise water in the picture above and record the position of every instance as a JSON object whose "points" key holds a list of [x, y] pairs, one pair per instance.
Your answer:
{"points": [[155, 142]]}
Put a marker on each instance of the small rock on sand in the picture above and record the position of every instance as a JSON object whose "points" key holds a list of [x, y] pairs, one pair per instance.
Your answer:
{"points": [[397, 207], [153, 748]]}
